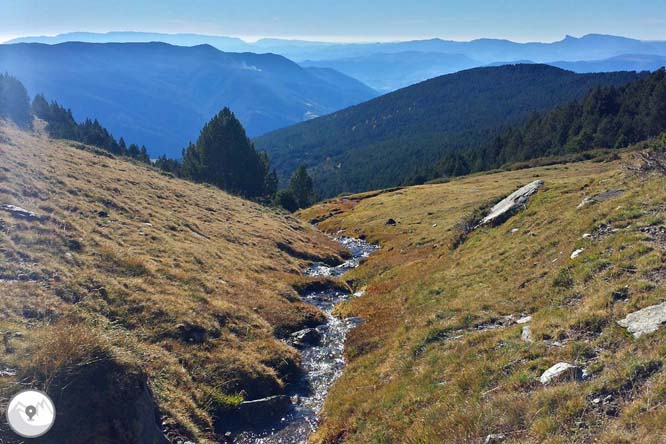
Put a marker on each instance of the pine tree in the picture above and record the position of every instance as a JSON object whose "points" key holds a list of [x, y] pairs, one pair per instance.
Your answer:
{"points": [[14, 101], [41, 108], [302, 187], [225, 157]]}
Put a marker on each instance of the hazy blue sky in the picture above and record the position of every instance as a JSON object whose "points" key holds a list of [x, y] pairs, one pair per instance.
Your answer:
{"points": [[520, 20]]}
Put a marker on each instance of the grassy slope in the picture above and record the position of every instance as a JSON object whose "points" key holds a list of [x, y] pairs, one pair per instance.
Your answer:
{"points": [[422, 372], [183, 281]]}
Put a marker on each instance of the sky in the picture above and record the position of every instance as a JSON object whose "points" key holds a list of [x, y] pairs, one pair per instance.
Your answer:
{"points": [[341, 20]]}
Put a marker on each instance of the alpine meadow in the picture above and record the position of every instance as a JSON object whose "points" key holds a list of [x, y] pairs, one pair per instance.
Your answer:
{"points": [[332, 223]]}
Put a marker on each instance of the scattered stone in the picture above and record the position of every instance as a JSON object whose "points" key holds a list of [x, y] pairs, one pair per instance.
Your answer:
{"points": [[585, 202], [621, 294], [600, 198], [7, 372], [587, 235], [514, 230], [524, 320], [501, 322], [511, 203], [526, 334], [577, 253], [18, 212], [495, 438], [391, 222], [305, 337], [645, 321], [561, 371], [608, 195], [264, 411], [434, 225]]}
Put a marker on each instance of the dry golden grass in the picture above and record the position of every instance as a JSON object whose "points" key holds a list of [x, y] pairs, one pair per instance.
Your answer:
{"points": [[188, 283], [422, 367]]}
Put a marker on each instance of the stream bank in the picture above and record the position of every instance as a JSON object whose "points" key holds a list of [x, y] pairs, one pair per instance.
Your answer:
{"points": [[322, 352]]}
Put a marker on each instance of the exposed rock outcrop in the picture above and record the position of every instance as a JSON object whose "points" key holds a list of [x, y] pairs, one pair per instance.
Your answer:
{"points": [[645, 321], [509, 205], [562, 371], [19, 212]]}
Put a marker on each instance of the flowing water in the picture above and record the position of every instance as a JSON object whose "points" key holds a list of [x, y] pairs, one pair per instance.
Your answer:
{"points": [[322, 363]]}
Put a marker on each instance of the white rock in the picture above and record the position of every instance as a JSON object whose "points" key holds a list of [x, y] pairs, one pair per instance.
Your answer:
{"points": [[577, 253], [587, 236], [526, 334], [495, 438], [18, 211], [584, 202], [645, 321], [524, 320], [561, 371], [511, 203]]}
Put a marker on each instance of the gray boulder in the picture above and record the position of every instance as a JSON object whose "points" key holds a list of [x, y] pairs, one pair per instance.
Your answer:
{"points": [[306, 337], [19, 212], [645, 321], [506, 207], [562, 371], [526, 334]]}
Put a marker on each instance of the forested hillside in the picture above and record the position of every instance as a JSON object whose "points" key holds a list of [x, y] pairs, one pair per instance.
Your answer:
{"points": [[160, 95], [607, 117], [387, 140]]}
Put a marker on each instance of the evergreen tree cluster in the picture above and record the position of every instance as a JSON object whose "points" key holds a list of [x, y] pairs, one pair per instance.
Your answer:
{"points": [[607, 117], [225, 157], [14, 101], [299, 194], [60, 124]]}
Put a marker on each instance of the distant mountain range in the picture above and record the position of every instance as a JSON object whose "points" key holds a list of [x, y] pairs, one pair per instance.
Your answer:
{"points": [[161, 95], [381, 143], [390, 66], [388, 72], [588, 47]]}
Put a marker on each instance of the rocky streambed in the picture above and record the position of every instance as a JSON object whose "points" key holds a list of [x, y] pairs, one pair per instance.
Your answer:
{"points": [[322, 351]]}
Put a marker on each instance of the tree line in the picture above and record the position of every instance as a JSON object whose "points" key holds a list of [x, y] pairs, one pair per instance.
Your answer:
{"points": [[223, 155], [60, 124]]}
